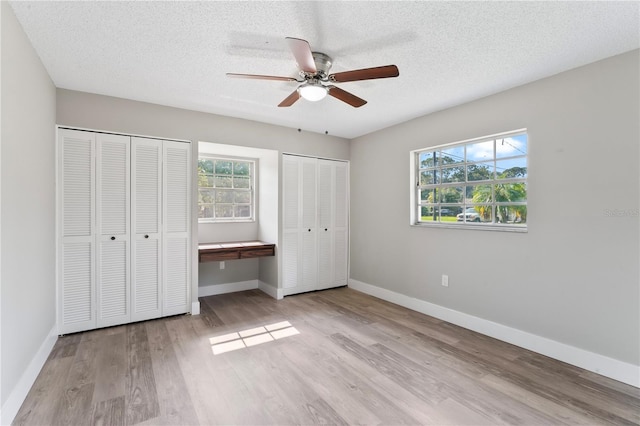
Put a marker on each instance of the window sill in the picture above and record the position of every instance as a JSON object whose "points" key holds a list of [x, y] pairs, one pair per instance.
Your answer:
{"points": [[475, 227]]}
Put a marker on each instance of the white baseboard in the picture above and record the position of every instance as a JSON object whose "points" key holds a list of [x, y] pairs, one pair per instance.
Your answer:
{"points": [[19, 393], [195, 308], [600, 364], [212, 290], [276, 293]]}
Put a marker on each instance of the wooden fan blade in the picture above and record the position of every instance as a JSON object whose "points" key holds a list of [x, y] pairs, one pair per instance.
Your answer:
{"points": [[290, 100], [302, 52], [365, 74], [345, 96], [260, 77]]}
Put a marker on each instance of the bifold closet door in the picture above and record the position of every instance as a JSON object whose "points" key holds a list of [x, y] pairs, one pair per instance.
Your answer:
{"points": [[308, 279], [113, 164], [315, 223], [124, 229], [299, 245], [146, 214], [332, 223], [341, 224], [76, 225], [291, 204], [161, 227], [176, 297]]}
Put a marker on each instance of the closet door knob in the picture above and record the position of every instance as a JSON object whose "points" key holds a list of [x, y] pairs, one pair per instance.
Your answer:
{"points": [[309, 229], [113, 238], [325, 229], [146, 236]]}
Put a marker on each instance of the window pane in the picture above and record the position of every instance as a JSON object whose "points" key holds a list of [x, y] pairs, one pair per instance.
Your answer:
{"points": [[481, 194], [481, 171], [428, 213], [430, 177], [242, 197], [428, 159], [241, 168], [241, 182], [512, 168], [510, 192], [452, 155], [447, 213], [243, 211], [429, 195], [224, 211], [205, 166], [511, 214], [205, 211], [482, 181], [480, 151], [205, 181], [224, 196], [205, 196], [218, 181], [470, 214], [452, 194], [486, 213], [224, 167], [223, 181], [511, 146], [453, 174]]}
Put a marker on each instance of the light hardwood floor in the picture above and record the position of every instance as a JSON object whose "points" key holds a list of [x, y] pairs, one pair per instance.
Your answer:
{"points": [[356, 360]]}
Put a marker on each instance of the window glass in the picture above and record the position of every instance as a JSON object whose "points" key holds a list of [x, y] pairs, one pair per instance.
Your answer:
{"points": [[225, 189], [480, 151], [478, 182]]}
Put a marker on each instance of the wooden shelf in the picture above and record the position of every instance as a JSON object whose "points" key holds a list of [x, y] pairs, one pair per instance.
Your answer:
{"points": [[216, 252]]}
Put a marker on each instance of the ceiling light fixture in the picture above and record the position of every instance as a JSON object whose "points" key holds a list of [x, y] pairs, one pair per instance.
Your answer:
{"points": [[312, 91]]}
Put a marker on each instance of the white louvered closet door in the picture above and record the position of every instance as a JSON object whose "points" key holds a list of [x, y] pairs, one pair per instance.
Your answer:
{"points": [[113, 164], [291, 190], [146, 210], [177, 235], [76, 223]]}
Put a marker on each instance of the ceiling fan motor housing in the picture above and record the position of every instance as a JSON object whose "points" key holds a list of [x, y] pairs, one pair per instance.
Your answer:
{"points": [[323, 64]]}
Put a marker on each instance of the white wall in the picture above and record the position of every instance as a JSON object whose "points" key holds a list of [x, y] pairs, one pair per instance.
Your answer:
{"points": [[574, 277], [27, 287], [264, 228]]}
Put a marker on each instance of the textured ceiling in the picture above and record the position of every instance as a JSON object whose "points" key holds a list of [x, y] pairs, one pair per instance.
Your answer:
{"points": [[448, 53]]}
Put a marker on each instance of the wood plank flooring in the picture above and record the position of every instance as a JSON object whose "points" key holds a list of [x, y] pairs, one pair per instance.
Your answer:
{"points": [[355, 360]]}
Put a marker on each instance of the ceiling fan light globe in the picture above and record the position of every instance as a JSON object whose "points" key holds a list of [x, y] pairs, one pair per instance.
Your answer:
{"points": [[312, 92]]}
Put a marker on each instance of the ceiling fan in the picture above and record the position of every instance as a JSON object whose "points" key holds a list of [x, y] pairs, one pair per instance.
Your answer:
{"points": [[314, 73]]}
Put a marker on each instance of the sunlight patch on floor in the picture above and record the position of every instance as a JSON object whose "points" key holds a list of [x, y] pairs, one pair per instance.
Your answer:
{"points": [[251, 337]]}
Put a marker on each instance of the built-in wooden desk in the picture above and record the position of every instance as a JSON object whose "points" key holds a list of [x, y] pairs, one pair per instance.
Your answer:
{"points": [[215, 252]]}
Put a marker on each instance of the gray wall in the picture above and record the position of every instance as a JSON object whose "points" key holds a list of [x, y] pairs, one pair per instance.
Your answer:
{"points": [[122, 115], [93, 111], [574, 276], [27, 289]]}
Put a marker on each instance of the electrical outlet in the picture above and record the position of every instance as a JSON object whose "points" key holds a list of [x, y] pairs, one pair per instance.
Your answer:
{"points": [[445, 280], [222, 265]]}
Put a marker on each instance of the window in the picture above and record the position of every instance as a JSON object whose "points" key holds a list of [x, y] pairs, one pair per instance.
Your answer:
{"points": [[480, 182], [225, 189]]}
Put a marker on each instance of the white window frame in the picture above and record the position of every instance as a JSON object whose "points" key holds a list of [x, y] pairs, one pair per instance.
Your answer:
{"points": [[438, 205], [253, 179]]}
